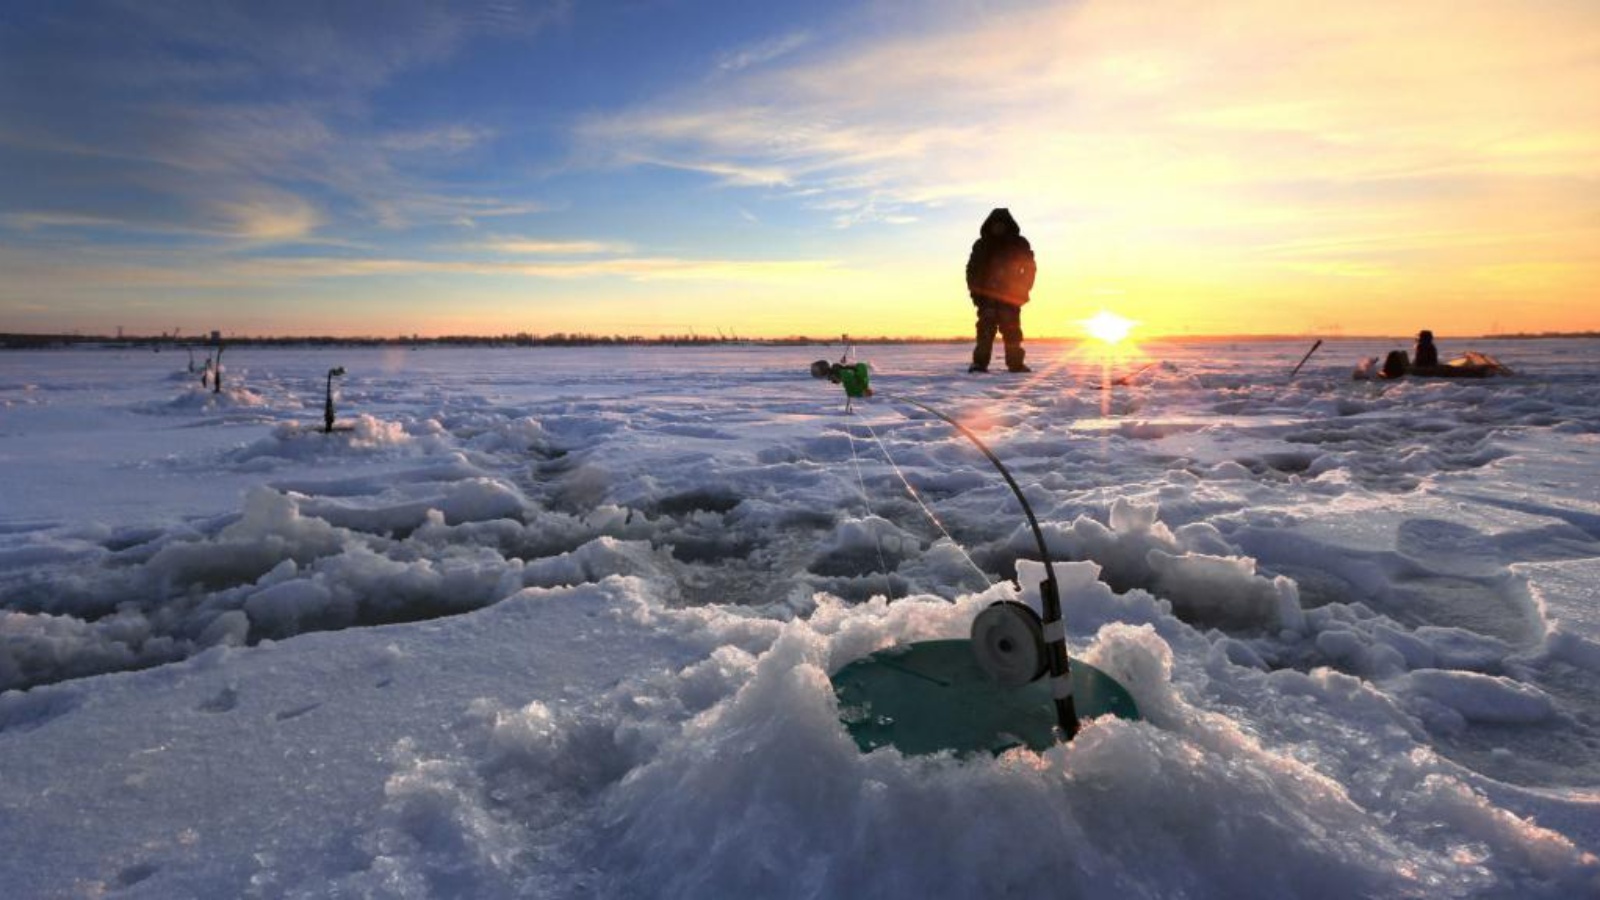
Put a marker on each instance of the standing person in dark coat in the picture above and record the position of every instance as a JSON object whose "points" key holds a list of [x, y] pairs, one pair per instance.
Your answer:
{"points": [[1000, 274]]}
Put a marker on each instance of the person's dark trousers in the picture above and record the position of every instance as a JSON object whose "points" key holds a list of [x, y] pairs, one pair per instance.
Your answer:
{"points": [[995, 315]]}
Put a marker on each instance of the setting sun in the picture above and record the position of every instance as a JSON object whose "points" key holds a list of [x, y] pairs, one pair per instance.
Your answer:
{"points": [[1108, 327]]}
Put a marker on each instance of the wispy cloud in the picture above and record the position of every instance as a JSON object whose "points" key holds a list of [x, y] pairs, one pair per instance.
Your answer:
{"points": [[353, 45], [762, 52], [36, 220], [728, 173], [269, 217], [36, 271], [174, 104], [446, 139], [1104, 103], [631, 268], [512, 246], [406, 205]]}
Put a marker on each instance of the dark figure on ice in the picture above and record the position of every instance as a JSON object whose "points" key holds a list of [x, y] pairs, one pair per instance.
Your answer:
{"points": [[999, 276], [1425, 354], [1395, 365]]}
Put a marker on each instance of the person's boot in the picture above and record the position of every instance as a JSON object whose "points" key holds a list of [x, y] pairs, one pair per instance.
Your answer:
{"points": [[980, 359], [1014, 363]]}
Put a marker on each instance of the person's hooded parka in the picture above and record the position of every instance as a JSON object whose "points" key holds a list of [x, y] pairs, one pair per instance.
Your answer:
{"points": [[1001, 266]]}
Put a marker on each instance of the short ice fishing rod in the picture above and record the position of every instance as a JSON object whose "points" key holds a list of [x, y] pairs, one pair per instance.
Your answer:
{"points": [[1008, 636], [1306, 357], [1011, 642]]}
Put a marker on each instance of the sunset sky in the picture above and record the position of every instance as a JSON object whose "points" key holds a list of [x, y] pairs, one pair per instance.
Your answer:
{"points": [[384, 167]]}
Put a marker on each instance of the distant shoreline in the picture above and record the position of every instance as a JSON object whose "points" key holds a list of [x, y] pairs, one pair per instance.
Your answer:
{"points": [[21, 341]]}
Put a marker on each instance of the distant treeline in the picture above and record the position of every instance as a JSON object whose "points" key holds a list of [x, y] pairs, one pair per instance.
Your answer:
{"points": [[521, 339], [582, 339], [1528, 336]]}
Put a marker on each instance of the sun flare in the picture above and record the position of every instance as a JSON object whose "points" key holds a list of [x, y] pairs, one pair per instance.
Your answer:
{"points": [[1108, 327]]}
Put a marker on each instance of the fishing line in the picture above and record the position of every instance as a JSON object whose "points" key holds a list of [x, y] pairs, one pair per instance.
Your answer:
{"points": [[927, 510], [866, 501]]}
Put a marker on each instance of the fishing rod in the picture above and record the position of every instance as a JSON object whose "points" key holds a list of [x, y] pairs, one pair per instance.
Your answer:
{"points": [[1125, 380], [1306, 357], [1005, 632], [1012, 643]]}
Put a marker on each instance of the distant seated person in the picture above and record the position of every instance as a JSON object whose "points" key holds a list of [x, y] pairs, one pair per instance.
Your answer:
{"points": [[1395, 365], [1426, 355]]}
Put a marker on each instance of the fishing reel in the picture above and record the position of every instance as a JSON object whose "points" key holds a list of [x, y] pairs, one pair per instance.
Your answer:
{"points": [[1008, 641]]}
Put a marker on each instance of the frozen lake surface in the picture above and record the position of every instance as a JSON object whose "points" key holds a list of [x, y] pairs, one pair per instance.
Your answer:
{"points": [[558, 622]]}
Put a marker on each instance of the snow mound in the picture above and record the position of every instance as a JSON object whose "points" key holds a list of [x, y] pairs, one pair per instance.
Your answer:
{"points": [[1474, 697], [205, 400], [1138, 551], [301, 442]]}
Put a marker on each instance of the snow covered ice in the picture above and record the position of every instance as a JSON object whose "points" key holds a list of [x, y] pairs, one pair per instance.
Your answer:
{"points": [[559, 622]]}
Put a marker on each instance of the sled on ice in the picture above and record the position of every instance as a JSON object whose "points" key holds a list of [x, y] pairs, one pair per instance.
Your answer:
{"points": [[1471, 364]]}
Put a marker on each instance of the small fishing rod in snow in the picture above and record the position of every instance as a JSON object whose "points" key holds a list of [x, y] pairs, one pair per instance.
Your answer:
{"points": [[1125, 380], [1012, 642], [1306, 357]]}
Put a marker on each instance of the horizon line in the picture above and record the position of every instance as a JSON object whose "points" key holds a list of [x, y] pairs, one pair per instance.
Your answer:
{"points": [[9, 340]]}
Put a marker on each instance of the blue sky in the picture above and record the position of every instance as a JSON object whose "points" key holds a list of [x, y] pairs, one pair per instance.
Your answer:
{"points": [[646, 167]]}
